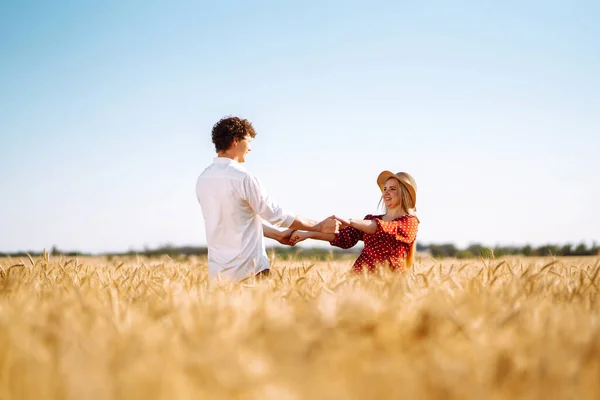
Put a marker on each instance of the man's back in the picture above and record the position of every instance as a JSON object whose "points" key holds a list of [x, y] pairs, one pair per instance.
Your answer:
{"points": [[231, 200], [234, 206]]}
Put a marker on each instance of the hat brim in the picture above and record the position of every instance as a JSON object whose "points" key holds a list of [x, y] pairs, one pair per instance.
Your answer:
{"points": [[383, 177]]}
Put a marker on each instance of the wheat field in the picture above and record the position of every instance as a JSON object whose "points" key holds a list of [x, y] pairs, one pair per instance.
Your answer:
{"points": [[137, 328]]}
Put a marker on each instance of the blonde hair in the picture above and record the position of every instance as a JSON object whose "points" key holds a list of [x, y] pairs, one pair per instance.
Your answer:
{"points": [[408, 206]]}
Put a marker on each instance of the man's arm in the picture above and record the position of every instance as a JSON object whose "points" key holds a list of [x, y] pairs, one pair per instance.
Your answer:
{"points": [[275, 215], [282, 237], [328, 225]]}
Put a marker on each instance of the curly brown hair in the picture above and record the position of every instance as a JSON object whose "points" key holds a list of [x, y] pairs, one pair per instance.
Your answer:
{"points": [[228, 129]]}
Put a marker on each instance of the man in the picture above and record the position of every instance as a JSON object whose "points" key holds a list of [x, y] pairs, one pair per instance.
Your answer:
{"points": [[234, 204]]}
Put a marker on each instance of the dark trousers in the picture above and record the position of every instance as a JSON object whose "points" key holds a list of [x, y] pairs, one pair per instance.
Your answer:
{"points": [[265, 273]]}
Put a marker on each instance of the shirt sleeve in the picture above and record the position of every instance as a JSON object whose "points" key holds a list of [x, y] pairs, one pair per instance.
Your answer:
{"points": [[263, 205], [404, 229]]}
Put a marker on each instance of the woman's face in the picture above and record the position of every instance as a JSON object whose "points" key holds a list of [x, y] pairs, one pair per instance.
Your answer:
{"points": [[391, 193]]}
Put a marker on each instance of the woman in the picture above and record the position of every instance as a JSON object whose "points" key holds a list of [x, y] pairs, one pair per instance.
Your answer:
{"points": [[389, 238]]}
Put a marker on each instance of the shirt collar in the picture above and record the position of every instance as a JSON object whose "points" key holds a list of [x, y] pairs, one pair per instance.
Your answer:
{"points": [[225, 160]]}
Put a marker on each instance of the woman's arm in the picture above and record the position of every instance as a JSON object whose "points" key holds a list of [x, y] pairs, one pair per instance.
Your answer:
{"points": [[345, 238], [364, 225], [299, 236]]}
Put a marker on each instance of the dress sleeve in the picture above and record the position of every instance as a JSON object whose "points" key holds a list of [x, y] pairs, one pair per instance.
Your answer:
{"points": [[349, 236], [404, 229]]}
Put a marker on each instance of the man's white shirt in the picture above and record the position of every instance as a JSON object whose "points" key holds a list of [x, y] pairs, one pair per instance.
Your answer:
{"points": [[234, 205]]}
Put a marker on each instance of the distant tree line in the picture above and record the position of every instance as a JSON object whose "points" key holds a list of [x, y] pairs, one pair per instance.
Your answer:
{"points": [[477, 250], [284, 252]]}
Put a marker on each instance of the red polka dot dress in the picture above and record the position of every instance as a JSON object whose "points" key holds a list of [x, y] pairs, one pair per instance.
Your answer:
{"points": [[389, 245]]}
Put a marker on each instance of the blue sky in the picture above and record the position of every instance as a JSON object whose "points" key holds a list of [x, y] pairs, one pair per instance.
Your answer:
{"points": [[106, 110]]}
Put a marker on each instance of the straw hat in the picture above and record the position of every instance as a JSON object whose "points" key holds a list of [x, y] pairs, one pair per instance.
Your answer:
{"points": [[404, 177]]}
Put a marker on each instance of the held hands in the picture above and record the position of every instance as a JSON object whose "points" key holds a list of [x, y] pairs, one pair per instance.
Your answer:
{"points": [[330, 225], [343, 222], [333, 224], [298, 236], [285, 236], [290, 237]]}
